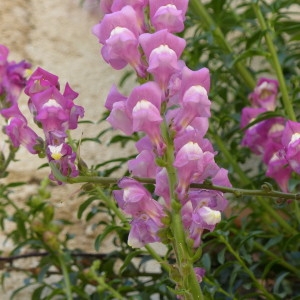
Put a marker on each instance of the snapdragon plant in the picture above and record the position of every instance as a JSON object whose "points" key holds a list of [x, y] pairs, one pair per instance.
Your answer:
{"points": [[211, 87]]}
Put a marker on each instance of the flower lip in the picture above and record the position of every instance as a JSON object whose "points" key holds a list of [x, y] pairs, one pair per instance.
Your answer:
{"points": [[56, 151], [52, 103]]}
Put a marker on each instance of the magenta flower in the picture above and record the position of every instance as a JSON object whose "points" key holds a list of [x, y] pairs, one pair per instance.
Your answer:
{"points": [[194, 160], [20, 134], [279, 169], [168, 14], [201, 211], [162, 50], [137, 5], [136, 201], [291, 142], [39, 81], [143, 231], [144, 104], [265, 94], [12, 79], [162, 186], [146, 118], [120, 117], [51, 109], [143, 165], [113, 96], [118, 33], [200, 272]]}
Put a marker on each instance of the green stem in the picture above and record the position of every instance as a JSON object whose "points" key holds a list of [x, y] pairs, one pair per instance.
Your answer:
{"points": [[158, 258], [112, 205], [246, 269], [209, 24], [206, 185], [278, 259], [104, 285], [188, 281], [275, 61], [11, 157], [68, 287]]}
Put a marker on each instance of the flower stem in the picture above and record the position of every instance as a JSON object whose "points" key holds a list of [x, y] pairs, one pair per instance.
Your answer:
{"points": [[206, 185], [275, 61], [278, 259], [266, 294], [188, 281], [68, 287]]}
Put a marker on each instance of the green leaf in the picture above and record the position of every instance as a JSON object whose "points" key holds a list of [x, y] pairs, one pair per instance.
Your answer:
{"points": [[264, 116], [83, 206], [103, 235], [15, 184], [36, 295], [279, 281], [221, 256], [250, 54], [129, 259]]}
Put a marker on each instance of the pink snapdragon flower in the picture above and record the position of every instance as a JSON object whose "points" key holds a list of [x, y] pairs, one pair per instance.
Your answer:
{"points": [[275, 138], [146, 212], [55, 113], [21, 134], [118, 32], [172, 109], [168, 14], [265, 94], [291, 142], [12, 79], [162, 50]]}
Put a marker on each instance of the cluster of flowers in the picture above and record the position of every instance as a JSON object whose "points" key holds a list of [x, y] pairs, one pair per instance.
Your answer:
{"points": [[275, 138], [171, 109], [52, 111]]}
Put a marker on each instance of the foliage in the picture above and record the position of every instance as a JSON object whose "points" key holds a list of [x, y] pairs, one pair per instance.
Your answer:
{"points": [[254, 252]]}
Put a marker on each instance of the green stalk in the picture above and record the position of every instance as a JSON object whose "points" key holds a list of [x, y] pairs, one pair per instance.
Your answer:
{"points": [[11, 157], [278, 259], [112, 205], [275, 61], [264, 192], [246, 269], [189, 283], [68, 287], [209, 24]]}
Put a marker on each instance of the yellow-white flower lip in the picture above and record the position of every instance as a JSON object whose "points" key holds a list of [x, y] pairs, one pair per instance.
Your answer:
{"points": [[276, 128], [294, 137], [52, 103], [169, 6], [196, 89], [193, 149], [142, 104], [56, 151], [118, 30], [163, 49], [265, 89], [211, 217]]}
